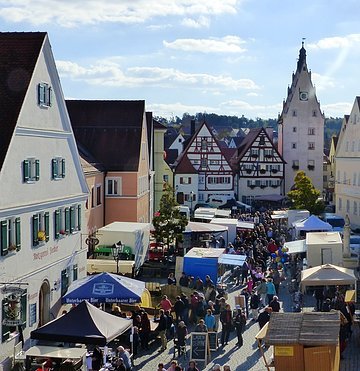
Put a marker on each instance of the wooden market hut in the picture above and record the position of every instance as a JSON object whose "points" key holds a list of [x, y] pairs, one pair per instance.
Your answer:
{"points": [[304, 341]]}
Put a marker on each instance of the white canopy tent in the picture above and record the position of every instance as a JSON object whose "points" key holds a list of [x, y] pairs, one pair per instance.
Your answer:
{"points": [[312, 223], [204, 228], [245, 225], [232, 259], [327, 275]]}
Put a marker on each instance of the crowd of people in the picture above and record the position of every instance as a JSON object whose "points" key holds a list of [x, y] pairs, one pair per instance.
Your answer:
{"points": [[203, 306]]}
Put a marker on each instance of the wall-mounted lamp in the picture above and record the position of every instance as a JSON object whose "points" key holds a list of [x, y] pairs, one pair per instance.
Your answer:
{"points": [[56, 285]]}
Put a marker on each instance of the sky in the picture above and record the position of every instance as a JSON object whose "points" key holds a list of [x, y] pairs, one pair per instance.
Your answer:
{"points": [[229, 57]]}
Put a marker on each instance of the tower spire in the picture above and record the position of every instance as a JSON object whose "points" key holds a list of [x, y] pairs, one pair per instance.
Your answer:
{"points": [[302, 56]]}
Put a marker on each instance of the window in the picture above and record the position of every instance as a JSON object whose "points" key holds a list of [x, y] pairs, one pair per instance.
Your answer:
{"points": [[185, 180], [354, 179], [344, 178], [294, 129], [203, 144], [214, 162], [295, 164], [190, 197], [204, 162], [31, 170], [44, 95], [353, 146], [40, 228], [347, 147], [58, 168], [201, 179], [340, 203], [201, 197], [219, 180], [347, 206], [355, 208], [311, 145], [166, 178], [311, 164], [113, 187], [314, 114], [324, 178], [67, 220], [294, 113], [98, 194], [10, 237], [293, 145], [311, 131]]}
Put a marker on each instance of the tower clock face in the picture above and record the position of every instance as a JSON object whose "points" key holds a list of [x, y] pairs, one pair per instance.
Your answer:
{"points": [[303, 95]]}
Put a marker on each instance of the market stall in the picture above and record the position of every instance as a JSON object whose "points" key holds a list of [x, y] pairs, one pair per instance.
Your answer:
{"points": [[83, 324], [327, 275], [303, 341]]}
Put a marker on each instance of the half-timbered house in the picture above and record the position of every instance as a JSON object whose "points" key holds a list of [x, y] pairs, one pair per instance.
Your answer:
{"points": [[259, 167], [203, 169]]}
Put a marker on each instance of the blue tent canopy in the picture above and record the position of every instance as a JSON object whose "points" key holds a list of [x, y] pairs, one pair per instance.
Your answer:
{"points": [[105, 288]]}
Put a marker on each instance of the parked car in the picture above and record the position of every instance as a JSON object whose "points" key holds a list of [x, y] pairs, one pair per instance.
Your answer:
{"points": [[355, 243]]}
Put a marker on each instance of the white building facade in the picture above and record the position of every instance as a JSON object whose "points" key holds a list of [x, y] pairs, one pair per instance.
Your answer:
{"points": [[347, 164], [43, 195], [301, 128]]}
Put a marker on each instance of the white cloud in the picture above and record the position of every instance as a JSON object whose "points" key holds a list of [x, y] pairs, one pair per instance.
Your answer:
{"points": [[322, 82], [253, 94], [80, 12], [338, 109], [178, 109], [336, 42], [201, 22], [239, 107], [109, 73], [226, 44]]}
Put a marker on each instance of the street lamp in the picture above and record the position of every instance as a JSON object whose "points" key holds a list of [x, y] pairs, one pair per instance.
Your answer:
{"points": [[116, 251]]}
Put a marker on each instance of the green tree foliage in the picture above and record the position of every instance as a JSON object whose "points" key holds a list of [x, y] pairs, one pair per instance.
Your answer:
{"points": [[305, 195], [168, 223]]}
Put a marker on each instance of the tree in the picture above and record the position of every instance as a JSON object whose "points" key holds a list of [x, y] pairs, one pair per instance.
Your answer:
{"points": [[305, 195], [168, 223]]}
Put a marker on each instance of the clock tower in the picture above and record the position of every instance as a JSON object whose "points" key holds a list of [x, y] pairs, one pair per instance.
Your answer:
{"points": [[301, 128]]}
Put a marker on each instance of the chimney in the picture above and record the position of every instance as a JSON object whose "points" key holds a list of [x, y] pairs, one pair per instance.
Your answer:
{"points": [[192, 128]]}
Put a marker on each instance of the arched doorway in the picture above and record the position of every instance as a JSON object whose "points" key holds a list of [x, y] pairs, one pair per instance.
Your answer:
{"points": [[44, 303]]}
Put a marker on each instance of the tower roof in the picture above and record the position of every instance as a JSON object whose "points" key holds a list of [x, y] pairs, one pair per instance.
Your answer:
{"points": [[302, 57]]}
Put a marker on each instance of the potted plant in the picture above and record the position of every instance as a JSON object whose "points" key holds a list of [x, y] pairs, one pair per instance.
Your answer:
{"points": [[262, 186], [274, 171], [252, 186], [262, 171], [41, 236], [12, 247], [248, 171], [62, 232]]}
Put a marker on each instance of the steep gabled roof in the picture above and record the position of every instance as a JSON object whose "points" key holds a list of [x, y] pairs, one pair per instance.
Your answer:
{"points": [[109, 130], [19, 52], [185, 167]]}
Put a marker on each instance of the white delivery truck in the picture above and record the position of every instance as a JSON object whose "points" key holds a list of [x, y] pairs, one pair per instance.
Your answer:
{"points": [[133, 235]]}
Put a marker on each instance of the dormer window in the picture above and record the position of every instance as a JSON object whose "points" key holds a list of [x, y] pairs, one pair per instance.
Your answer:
{"points": [[44, 95]]}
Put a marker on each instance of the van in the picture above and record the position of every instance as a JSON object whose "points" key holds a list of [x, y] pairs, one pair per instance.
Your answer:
{"points": [[184, 210], [336, 221]]}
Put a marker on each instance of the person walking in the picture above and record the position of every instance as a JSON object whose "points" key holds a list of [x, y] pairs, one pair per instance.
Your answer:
{"points": [[210, 320], [162, 326], [145, 331], [264, 317], [227, 323], [274, 304], [179, 307], [261, 289], [254, 305], [270, 290], [240, 322]]}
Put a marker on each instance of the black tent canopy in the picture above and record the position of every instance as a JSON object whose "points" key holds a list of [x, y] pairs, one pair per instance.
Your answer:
{"points": [[84, 324]]}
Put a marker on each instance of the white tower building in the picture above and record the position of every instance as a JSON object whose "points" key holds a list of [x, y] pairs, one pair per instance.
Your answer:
{"points": [[301, 128]]}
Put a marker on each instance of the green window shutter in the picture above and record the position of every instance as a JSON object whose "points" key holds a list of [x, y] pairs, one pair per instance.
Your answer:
{"points": [[72, 219], [23, 302], [17, 234], [50, 97], [35, 229], [54, 168], [37, 169], [79, 217], [4, 240], [26, 170], [63, 168], [47, 225], [57, 224], [67, 220]]}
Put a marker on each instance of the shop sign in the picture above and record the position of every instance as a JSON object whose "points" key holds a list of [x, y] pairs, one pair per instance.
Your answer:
{"points": [[281, 351], [11, 304]]}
